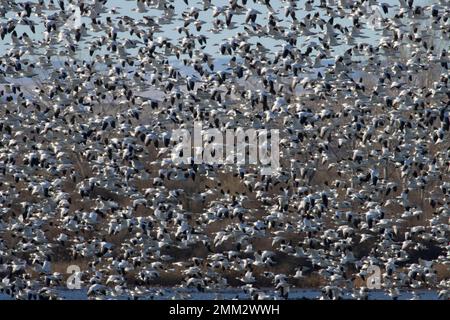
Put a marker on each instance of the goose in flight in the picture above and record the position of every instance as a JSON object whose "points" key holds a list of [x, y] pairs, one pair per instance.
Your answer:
{"points": [[91, 170]]}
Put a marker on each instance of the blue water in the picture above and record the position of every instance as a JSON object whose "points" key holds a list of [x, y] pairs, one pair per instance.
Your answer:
{"points": [[295, 294]]}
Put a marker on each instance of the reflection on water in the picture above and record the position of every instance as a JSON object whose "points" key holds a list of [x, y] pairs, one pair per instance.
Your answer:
{"points": [[295, 294]]}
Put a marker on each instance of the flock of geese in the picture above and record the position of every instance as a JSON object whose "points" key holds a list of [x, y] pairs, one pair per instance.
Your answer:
{"points": [[90, 95]]}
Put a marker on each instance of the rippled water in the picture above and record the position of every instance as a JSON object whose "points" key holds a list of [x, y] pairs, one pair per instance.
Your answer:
{"points": [[295, 294]]}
